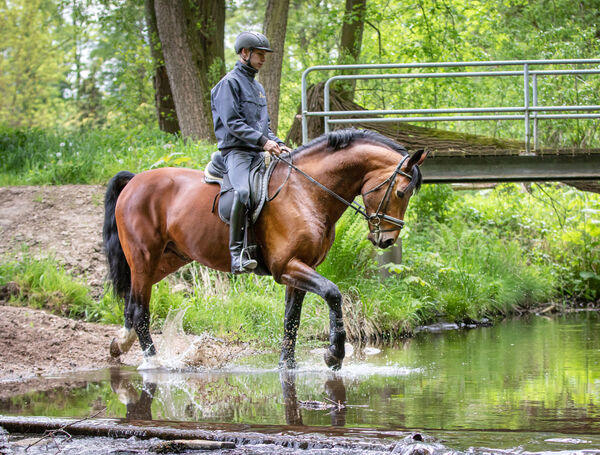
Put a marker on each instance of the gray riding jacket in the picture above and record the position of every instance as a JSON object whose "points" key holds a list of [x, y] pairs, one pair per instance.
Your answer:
{"points": [[239, 109]]}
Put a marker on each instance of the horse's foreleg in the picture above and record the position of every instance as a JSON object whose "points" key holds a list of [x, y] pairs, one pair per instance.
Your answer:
{"points": [[293, 308], [301, 276]]}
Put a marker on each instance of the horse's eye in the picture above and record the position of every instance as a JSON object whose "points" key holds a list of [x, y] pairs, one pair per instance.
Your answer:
{"points": [[400, 194]]}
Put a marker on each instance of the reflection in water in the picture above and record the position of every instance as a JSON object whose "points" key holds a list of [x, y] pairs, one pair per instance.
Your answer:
{"points": [[138, 404], [335, 391], [138, 401], [539, 375], [293, 415]]}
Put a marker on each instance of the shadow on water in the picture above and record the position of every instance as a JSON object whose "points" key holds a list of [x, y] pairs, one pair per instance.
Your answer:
{"points": [[523, 386]]}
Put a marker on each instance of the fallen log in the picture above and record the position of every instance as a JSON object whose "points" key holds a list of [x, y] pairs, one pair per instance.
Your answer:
{"points": [[177, 431]]}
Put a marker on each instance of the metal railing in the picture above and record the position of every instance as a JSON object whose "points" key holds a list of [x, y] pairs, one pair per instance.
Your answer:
{"points": [[529, 110]]}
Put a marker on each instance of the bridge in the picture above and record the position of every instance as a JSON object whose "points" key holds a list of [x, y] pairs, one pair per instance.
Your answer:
{"points": [[459, 157]]}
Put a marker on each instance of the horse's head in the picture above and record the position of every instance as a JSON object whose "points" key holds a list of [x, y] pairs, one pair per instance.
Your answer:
{"points": [[386, 201]]}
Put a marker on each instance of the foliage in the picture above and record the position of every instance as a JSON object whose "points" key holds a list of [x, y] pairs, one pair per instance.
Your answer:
{"points": [[44, 157], [45, 284], [121, 68], [87, 63], [33, 63]]}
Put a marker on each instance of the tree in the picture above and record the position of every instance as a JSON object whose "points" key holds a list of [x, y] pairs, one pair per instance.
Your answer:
{"points": [[274, 28], [191, 33], [163, 99], [33, 63], [351, 41], [121, 62]]}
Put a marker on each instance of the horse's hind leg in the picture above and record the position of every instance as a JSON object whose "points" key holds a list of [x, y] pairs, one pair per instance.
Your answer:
{"points": [[301, 276], [138, 313], [124, 339], [137, 320], [293, 308]]}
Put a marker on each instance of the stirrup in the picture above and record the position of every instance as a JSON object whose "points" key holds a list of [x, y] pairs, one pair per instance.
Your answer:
{"points": [[247, 264]]}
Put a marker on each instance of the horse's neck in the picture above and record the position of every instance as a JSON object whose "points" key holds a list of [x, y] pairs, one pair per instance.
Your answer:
{"points": [[348, 169], [344, 171], [339, 171]]}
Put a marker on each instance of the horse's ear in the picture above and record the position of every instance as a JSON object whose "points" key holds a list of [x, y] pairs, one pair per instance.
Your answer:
{"points": [[417, 158]]}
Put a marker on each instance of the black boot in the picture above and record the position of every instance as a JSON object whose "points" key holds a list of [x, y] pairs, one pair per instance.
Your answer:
{"points": [[240, 261]]}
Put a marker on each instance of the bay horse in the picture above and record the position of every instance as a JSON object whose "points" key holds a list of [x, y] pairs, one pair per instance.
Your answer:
{"points": [[161, 219]]}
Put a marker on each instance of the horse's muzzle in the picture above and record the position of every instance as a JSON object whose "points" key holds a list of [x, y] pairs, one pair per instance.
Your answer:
{"points": [[381, 240]]}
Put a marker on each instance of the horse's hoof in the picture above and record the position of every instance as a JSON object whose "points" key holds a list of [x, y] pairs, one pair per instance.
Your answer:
{"points": [[332, 361], [288, 364], [115, 351]]}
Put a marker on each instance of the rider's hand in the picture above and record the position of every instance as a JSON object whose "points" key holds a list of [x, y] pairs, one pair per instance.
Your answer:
{"points": [[285, 149], [272, 147]]}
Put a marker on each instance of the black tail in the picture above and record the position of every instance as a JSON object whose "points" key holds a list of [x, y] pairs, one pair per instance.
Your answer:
{"points": [[118, 269]]}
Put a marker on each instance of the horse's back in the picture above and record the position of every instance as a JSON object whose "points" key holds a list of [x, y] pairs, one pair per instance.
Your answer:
{"points": [[163, 187]]}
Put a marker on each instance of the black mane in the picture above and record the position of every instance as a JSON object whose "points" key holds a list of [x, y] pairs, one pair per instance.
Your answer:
{"points": [[340, 139]]}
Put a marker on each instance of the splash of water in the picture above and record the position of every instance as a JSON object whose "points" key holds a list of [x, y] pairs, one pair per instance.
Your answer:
{"points": [[177, 350]]}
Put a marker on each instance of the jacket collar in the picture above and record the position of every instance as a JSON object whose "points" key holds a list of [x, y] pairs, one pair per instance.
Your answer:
{"points": [[246, 69]]}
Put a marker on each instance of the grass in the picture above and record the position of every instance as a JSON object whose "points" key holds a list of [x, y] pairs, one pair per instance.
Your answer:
{"points": [[466, 255], [44, 284], [38, 157], [471, 262]]}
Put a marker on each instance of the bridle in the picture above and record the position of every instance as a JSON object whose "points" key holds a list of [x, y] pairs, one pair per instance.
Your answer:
{"points": [[379, 216], [374, 220]]}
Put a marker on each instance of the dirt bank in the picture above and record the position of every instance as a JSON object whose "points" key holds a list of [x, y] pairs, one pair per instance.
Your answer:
{"points": [[63, 221], [34, 343], [66, 222]]}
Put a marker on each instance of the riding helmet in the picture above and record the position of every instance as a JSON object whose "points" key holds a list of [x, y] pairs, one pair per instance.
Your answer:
{"points": [[252, 40]]}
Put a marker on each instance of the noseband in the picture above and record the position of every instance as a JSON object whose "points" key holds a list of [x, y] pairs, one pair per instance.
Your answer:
{"points": [[376, 218]]}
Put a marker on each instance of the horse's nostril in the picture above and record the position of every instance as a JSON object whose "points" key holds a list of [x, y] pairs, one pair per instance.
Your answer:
{"points": [[387, 243]]}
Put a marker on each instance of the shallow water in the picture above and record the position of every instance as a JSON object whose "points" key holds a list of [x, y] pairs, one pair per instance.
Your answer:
{"points": [[523, 386]]}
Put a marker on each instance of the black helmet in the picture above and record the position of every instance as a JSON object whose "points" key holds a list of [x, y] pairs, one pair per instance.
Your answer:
{"points": [[252, 40]]}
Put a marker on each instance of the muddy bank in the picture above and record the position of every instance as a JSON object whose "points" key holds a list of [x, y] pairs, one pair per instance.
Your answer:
{"points": [[61, 221], [35, 343]]}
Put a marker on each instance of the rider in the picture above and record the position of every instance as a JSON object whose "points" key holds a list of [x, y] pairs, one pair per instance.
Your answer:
{"points": [[241, 123]]}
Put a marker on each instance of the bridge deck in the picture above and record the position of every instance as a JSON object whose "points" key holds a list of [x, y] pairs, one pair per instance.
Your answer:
{"points": [[459, 157]]}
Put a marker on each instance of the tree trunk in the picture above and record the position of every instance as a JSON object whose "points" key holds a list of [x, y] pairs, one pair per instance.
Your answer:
{"points": [[351, 42], [275, 26], [163, 98], [206, 28], [191, 34]]}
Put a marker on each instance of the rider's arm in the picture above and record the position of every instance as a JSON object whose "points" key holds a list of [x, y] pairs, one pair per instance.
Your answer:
{"points": [[226, 101]]}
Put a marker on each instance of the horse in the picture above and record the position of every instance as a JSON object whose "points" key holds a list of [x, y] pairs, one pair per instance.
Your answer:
{"points": [[161, 219]]}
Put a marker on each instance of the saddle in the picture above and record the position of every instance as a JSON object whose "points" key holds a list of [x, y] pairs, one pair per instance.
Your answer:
{"points": [[261, 169], [260, 173]]}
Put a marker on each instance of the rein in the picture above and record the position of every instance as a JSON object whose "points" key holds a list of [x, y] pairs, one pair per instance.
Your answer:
{"points": [[376, 218]]}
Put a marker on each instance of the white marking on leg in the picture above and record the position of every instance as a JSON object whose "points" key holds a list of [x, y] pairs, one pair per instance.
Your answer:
{"points": [[125, 339]]}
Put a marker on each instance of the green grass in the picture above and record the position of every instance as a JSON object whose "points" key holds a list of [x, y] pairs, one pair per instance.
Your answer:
{"points": [[44, 284], [466, 255], [36, 157]]}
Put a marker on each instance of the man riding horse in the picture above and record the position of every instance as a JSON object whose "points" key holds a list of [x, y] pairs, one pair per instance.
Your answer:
{"points": [[241, 122]]}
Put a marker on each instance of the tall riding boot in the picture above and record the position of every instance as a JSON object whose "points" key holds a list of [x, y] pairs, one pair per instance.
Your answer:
{"points": [[240, 262]]}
